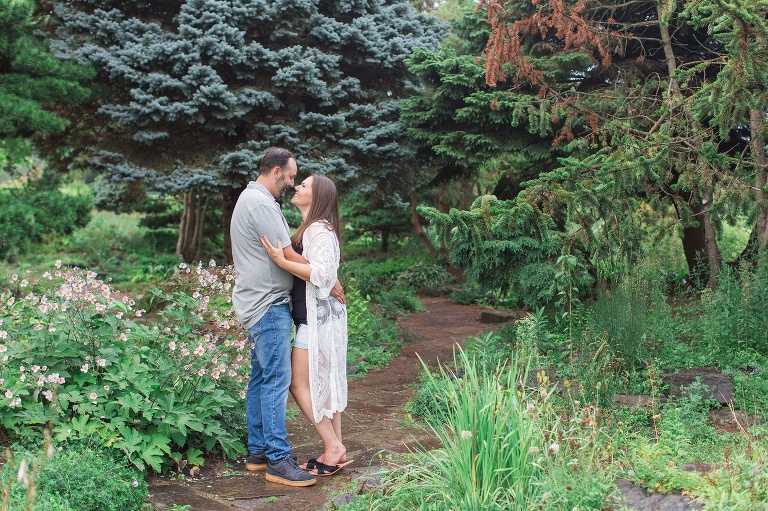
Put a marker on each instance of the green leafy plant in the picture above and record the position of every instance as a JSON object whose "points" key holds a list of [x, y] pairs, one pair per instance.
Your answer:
{"points": [[73, 478], [488, 441], [27, 215], [424, 275], [78, 356], [621, 316], [373, 339]]}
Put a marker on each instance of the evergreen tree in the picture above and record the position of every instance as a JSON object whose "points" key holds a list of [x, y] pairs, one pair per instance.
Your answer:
{"points": [[467, 131], [32, 81], [202, 87], [628, 87]]}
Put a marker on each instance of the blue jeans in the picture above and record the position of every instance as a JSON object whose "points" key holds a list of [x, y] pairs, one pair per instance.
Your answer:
{"points": [[267, 396]]}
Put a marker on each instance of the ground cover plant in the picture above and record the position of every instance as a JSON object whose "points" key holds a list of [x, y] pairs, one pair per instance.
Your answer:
{"points": [[566, 380]]}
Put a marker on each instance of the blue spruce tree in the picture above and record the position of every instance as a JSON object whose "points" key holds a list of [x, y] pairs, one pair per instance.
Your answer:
{"points": [[200, 88]]}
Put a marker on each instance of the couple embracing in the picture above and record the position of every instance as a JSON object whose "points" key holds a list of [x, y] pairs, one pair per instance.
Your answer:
{"points": [[283, 280]]}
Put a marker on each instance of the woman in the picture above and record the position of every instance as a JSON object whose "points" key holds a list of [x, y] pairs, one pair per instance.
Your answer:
{"points": [[318, 359]]}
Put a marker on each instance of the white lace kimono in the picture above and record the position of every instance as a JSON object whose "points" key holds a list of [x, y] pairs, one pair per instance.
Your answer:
{"points": [[326, 323]]}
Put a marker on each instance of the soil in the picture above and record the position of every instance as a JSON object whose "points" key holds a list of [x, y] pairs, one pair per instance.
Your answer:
{"points": [[376, 429]]}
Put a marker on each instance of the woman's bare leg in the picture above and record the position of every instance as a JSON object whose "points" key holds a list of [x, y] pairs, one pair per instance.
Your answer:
{"points": [[334, 450]]}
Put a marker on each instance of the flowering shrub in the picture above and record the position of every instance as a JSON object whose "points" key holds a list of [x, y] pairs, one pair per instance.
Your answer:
{"points": [[78, 356]]}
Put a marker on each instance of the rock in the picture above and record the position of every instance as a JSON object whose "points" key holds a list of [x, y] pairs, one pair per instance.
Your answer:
{"points": [[719, 384], [728, 417], [494, 317], [370, 484], [343, 500], [637, 498]]}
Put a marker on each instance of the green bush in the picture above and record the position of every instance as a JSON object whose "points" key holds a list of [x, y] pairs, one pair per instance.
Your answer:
{"points": [[17, 226], [424, 276], [93, 480], [401, 300], [621, 316], [76, 480], [373, 339], [80, 357], [491, 439], [27, 215], [733, 316]]}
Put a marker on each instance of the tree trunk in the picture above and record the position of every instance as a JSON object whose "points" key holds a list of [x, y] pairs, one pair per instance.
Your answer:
{"points": [[757, 143], [228, 201], [694, 245], [191, 226], [701, 208], [431, 250]]}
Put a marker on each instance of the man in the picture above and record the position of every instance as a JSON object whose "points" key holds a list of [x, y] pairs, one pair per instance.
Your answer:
{"points": [[261, 301]]}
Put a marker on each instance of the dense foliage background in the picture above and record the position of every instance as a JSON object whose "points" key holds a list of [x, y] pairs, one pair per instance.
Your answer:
{"points": [[600, 165]]}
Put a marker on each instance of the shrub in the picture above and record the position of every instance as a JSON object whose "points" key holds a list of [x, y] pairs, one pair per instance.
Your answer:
{"points": [[27, 215], [733, 315], [424, 276], [77, 355], [373, 339], [76, 480], [621, 315], [402, 300]]}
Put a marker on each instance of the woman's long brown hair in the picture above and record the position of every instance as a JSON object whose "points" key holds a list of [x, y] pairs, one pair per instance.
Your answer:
{"points": [[324, 208]]}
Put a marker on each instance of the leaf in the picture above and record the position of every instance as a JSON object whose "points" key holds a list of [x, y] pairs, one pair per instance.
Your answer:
{"points": [[195, 456]]}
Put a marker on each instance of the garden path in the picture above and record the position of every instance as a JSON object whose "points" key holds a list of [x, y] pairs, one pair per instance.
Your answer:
{"points": [[376, 429]]}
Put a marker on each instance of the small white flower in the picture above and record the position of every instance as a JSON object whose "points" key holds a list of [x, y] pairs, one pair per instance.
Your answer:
{"points": [[93, 396], [8, 393], [466, 434], [135, 484], [554, 448], [57, 264], [84, 368]]}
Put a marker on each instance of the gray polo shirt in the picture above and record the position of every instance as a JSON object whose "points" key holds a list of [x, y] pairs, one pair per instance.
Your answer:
{"points": [[260, 281]]}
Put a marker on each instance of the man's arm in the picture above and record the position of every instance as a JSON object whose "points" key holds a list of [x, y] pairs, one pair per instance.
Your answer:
{"points": [[337, 291]]}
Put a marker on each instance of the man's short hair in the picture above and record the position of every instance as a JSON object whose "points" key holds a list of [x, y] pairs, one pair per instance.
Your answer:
{"points": [[274, 157]]}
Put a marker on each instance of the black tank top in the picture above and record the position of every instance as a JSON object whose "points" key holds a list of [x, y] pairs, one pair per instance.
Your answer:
{"points": [[299, 298]]}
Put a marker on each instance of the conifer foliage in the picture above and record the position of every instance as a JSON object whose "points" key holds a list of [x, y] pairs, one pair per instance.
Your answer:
{"points": [[202, 87], [32, 80], [660, 102]]}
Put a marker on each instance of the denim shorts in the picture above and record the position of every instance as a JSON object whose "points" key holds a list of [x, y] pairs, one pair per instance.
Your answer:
{"points": [[301, 340]]}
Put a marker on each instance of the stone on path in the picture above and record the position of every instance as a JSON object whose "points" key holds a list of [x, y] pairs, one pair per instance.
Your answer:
{"points": [[637, 498], [719, 384]]}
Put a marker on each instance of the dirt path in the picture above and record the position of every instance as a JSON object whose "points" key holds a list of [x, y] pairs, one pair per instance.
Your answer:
{"points": [[374, 424]]}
